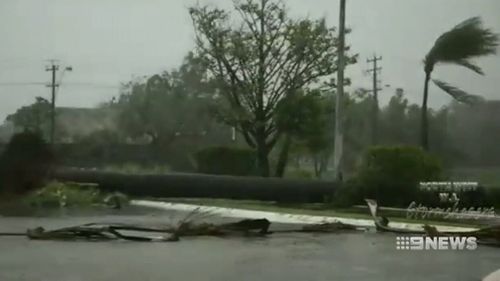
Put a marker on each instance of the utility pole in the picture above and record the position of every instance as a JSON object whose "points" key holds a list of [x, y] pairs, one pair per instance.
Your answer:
{"points": [[375, 71], [339, 102], [53, 68]]}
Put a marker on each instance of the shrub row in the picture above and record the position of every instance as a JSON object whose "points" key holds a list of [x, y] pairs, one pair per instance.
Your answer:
{"points": [[391, 175]]}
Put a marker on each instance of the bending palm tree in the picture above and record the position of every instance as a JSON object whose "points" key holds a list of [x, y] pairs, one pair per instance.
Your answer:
{"points": [[465, 41]]}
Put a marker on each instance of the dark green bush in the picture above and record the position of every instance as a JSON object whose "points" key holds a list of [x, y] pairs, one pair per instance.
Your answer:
{"points": [[226, 161], [348, 194], [391, 174], [493, 197], [25, 164]]}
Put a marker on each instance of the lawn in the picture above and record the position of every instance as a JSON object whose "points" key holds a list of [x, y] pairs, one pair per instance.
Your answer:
{"points": [[56, 195]]}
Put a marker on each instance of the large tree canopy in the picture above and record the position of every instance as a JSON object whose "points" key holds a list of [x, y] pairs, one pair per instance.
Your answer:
{"points": [[34, 117], [260, 59], [166, 106]]}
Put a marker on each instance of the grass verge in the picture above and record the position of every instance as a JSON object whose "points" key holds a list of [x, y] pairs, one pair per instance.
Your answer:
{"points": [[56, 194]]}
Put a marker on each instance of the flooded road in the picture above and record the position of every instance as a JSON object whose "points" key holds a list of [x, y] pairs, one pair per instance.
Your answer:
{"points": [[356, 256]]}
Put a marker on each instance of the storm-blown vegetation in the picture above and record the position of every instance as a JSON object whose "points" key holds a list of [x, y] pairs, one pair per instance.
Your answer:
{"points": [[256, 97], [260, 62], [466, 41]]}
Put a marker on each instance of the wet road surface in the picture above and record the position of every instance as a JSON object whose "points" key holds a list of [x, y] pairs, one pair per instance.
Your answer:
{"points": [[355, 256]]}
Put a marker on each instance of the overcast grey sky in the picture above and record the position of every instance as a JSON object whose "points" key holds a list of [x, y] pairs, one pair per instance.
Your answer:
{"points": [[110, 41]]}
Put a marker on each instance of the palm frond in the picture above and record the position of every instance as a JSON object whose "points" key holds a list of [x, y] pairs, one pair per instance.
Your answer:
{"points": [[458, 94], [471, 66], [467, 40]]}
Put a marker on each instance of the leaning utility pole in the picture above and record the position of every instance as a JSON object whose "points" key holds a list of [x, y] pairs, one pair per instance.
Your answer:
{"points": [[375, 70], [53, 68], [339, 102]]}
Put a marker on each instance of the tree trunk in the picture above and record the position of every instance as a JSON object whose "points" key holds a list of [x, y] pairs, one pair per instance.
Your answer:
{"points": [[262, 154], [321, 160], [263, 161], [317, 165], [283, 157], [424, 130], [325, 158], [297, 162]]}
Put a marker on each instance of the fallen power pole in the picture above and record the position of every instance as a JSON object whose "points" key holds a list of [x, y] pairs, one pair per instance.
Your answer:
{"points": [[203, 186]]}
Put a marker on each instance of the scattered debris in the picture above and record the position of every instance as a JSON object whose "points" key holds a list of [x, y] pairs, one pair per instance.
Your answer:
{"points": [[184, 228], [247, 227], [116, 200], [328, 227], [96, 232]]}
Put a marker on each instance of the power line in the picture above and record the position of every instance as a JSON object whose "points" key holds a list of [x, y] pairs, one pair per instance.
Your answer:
{"points": [[22, 83], [92, 84], [18, 62], [77, 84]]}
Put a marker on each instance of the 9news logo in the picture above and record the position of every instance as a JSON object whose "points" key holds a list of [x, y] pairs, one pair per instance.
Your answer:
{"points": [[419, 243]]}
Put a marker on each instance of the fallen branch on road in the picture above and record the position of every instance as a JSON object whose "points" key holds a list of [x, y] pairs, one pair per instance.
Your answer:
{"points": [[107, 232]]}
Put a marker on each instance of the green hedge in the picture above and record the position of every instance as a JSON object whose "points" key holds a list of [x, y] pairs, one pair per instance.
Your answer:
{"points": [[391, 176], [226, 161]]}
